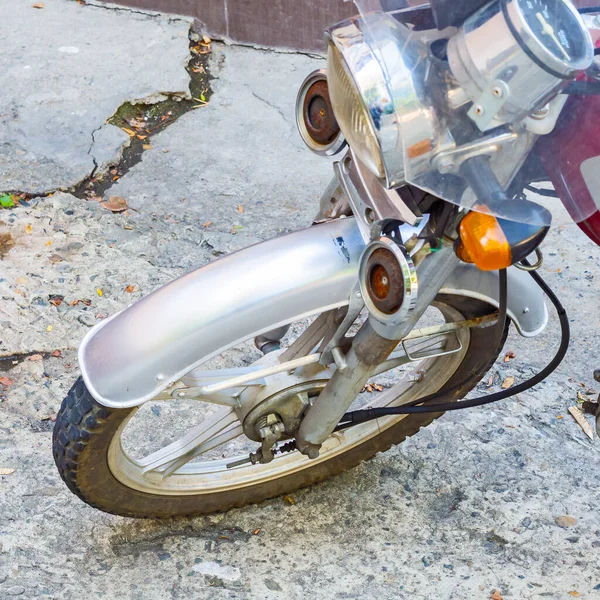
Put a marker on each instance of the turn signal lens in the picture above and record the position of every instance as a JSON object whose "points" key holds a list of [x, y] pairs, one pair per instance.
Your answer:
{"points": [[483, 242]]}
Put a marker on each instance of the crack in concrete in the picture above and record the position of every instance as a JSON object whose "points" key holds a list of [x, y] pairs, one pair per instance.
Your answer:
{"points": [[270, 105], [90, 151], [149, 101], [149, 13]]}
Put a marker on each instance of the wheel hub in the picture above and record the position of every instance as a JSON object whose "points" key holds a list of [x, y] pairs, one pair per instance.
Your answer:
{"points": [[287, 395]]}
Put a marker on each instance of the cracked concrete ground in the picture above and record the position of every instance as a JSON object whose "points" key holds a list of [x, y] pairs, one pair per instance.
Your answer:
{"points": [[467, 506], [64, 70]]}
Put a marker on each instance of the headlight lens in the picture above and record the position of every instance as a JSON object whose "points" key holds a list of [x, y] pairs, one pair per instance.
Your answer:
{"points": [[351, 113]]}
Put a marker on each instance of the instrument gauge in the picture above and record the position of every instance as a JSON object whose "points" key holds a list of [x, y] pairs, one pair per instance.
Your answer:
{"points": [[552, 33]]}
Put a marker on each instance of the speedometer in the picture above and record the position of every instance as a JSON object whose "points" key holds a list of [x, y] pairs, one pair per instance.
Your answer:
{"points": [[552, 33]]}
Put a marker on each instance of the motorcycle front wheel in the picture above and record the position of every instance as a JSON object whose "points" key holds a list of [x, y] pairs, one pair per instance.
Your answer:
{"points": [[102, 453]]}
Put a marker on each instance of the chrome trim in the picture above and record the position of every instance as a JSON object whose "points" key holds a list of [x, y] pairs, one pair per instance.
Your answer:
{"points": [[390, 66], [335, 146], [409, 276]]}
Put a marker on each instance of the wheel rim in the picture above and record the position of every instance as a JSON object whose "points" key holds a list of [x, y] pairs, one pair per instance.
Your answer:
{"points": [[197, 478]]}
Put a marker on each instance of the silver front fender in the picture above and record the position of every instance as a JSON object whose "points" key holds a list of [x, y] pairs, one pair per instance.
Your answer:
{"points": [[131, 357]]}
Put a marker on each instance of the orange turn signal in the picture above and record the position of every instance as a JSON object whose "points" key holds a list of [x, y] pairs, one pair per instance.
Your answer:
{"points": [[483, 242]]}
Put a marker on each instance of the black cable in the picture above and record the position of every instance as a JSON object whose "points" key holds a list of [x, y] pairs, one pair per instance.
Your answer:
{"points": [[589, 10], [365, 415], [541, 192], [374, 413]]}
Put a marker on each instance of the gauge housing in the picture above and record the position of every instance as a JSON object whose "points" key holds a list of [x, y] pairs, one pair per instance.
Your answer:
{"points": [[508, 71]]}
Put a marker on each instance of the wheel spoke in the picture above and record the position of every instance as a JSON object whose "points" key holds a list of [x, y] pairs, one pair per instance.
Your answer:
{"points": [[221, 427]]}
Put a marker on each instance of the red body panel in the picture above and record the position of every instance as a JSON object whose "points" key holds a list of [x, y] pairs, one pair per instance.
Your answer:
{"points": [[575, 139]]}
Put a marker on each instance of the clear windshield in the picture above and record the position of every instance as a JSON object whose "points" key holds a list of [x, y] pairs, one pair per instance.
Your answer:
{"points": [[557, 153]]}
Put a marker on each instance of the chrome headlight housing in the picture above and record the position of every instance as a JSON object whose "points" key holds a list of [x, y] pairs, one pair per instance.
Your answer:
{"points": [[376, 70]]}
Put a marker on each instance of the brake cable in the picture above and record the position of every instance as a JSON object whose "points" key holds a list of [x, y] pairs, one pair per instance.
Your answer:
{"points": [[416, 406]]}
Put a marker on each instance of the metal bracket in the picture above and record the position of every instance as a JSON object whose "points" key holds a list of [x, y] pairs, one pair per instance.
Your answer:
{"points": [[420, 354], [355, 305], [489, 104], [370, 201], [450, 161]]}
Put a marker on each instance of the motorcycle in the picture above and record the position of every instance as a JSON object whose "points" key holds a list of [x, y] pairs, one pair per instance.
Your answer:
{"points": [[457, 126]]}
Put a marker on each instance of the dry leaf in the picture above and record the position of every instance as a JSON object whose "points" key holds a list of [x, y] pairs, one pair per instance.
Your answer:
{"points": [[6, 382], [21, 280], [137, 123], [49, 243], [56, 299], [496, 595], [6, 471], [207, 224], [50, 417], [49, 328], [206, 39], [582, 421], [55, 258], [6, 243], [508, 383], [129, 289], [256, 532], [509, 355], [76, 302], [147, 146], [38, 5], [289, 499], [240, 209], [129, 132], [35, 357], [99, 292], [115, 204], [56, 353], [574, 594], [28, 228]]}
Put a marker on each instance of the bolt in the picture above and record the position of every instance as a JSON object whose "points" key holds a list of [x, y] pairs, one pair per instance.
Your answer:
{"points": [[160, 377], [181, 394], [446, 165], [497, 91], [358, 294], [479, 110], [525, 310], [541, 113], [312, 452]]}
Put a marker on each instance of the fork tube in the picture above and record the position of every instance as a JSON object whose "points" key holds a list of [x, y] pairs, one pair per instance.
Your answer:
{"points": [[368, 350]]}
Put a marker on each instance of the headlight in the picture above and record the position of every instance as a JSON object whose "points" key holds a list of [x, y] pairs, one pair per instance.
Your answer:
{"points": [[351, 113], [376, 69]]}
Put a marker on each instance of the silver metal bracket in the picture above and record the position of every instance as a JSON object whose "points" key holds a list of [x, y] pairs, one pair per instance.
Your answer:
{"points": [[489, 103], [450, 161], [370, 201], [355, 305]]}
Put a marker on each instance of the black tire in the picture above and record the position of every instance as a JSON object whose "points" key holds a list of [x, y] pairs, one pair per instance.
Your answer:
{"points": [[84, 429]]}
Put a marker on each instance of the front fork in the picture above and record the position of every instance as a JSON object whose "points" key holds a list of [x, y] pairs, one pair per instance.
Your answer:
{"points": [[371, 346]]}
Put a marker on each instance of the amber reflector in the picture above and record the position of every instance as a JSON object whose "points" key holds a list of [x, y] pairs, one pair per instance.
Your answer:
{"points": [[483, 242]]}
